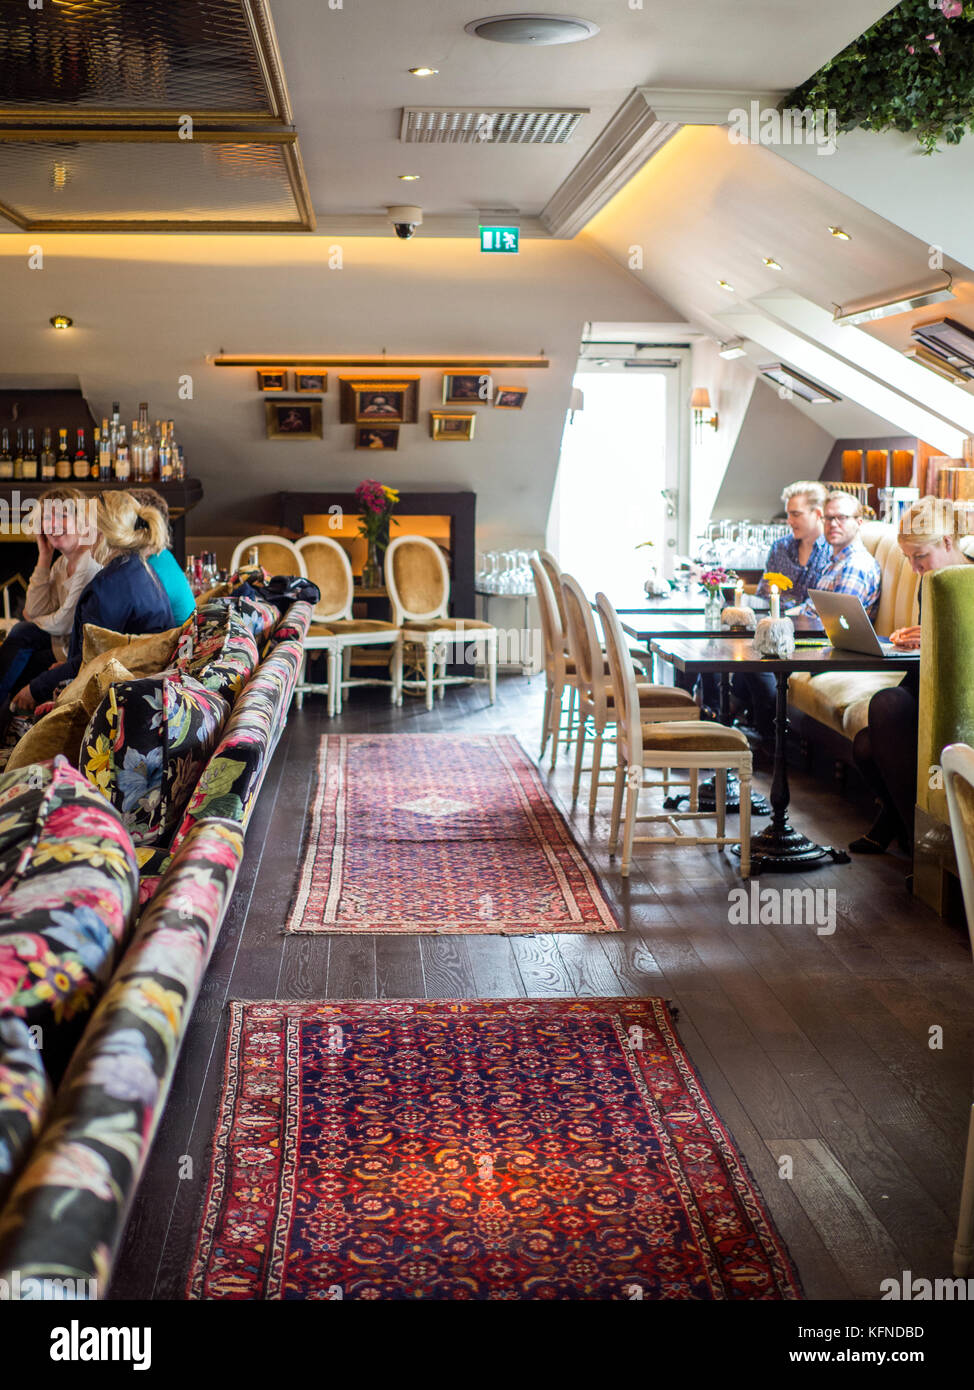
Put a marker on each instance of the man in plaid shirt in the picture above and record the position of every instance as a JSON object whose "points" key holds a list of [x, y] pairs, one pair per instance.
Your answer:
{"points": [[851, 570]]}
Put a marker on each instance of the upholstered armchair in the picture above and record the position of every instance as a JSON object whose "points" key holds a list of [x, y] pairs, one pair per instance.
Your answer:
{"points": [[946, 716]]}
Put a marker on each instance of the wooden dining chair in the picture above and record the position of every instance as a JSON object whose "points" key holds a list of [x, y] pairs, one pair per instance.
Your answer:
{"points": [[557, 722], [642, 745], [334, 630], [957, 761], [419, 590], [596, 694]]}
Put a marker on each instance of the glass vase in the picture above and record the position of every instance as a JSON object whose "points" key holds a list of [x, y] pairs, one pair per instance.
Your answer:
{"points": [[372, 569], [713, 608]]}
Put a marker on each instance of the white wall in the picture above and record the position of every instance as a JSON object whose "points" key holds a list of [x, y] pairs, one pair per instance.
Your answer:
{"points": [[731, 386], [776, 445], [148, 309]]}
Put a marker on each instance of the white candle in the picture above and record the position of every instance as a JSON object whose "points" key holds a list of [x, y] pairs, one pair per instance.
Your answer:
{"points": [[775, 602], [739, 594]]}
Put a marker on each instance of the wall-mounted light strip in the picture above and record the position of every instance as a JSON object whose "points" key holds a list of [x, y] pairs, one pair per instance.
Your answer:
{"points": [[902, 304], [381, 362]]}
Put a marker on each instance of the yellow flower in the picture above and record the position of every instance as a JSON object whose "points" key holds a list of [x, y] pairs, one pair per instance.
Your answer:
{"points": [[781, 580], [391, 493], [97, 763]]}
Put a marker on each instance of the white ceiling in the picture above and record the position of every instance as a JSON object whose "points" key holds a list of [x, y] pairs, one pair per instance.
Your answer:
{"points": [[347, 73]]}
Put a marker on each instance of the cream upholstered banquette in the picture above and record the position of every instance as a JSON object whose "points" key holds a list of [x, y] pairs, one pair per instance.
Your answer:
{"points": [[840, 699]]}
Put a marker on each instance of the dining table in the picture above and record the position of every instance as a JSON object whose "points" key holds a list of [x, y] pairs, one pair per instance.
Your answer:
{"points": [[779, 848]]}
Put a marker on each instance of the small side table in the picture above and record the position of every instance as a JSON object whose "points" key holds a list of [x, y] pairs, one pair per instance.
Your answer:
{"points": [[486, 595]]}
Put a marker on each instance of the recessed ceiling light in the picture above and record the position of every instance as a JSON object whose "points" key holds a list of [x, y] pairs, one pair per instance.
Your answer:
{"points": [[536, 29], [424, 72], [840, 234], [725, 286], [410, 178], [61, 321], [771, 263]]}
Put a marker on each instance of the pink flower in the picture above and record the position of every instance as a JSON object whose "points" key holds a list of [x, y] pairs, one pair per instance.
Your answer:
{"points": [[951, 8], [935, 48], [910, 48]]}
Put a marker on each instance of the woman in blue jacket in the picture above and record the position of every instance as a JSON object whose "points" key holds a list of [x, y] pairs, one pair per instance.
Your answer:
{"points": [[125, 595]]}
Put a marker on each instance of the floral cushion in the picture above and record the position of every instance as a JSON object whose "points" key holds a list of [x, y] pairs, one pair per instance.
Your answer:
{"points": [[217, 647], [146, 746], [67, 900], [25, 1097]]}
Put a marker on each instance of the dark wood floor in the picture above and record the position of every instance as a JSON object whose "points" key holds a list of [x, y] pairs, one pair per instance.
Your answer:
{"points": [[812, 1047]]}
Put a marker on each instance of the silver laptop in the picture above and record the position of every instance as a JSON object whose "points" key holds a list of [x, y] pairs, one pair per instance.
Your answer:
{"points": [[847, 624]]}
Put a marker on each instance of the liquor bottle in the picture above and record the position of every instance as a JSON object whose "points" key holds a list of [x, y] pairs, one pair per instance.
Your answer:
{"points": [[146, 467], [48, 471], [179, 469], [135, 453], [156, 447], [123, 466], [19, 455], [82, 464], [96, 456], [62, 464], [6, 457], [191, 571], [165, 455], [105, 454], [30, 467]]}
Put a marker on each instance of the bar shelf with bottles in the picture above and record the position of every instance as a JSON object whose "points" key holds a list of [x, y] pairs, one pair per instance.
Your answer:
{"points": [[105, 458]]}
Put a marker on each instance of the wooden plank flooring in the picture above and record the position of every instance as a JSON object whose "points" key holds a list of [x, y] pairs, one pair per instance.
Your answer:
{"points": [[813, 1048]]}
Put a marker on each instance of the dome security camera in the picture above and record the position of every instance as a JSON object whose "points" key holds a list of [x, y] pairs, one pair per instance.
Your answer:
{"points": [[405, 218]]}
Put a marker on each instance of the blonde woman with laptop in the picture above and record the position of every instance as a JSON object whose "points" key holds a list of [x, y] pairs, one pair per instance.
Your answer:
{"points": [[885, 752]]}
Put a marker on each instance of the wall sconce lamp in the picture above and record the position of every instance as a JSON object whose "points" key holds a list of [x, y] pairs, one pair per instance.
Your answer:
{"points": [[699, 403], [61, 321]]}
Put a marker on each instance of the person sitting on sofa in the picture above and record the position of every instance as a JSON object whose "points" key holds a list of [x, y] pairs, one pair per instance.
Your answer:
{"points": [[182, 600], [803, 557], [850, 570], [125, 596], [885, 751], [41, 638]]}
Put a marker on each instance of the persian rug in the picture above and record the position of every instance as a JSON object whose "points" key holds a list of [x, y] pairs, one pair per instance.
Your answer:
{"points": [[475, 1149], [436, 833]]}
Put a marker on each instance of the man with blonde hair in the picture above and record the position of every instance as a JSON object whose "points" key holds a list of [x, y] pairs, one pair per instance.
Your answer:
{"points": [[803, 555]]}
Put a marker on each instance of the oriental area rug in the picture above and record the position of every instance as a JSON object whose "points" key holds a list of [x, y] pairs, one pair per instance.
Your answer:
{"points": [[436, 833], [509, 1149]]}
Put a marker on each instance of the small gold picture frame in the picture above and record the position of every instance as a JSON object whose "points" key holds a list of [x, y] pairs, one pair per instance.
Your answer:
{"points": [[377, 437], [467, 388], [271, 379], [452, 425], [310, 383], [293, 419], [510, 397]]}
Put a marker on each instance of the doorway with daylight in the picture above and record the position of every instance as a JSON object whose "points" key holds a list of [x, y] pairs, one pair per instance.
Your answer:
{"points": [[621, 471]]}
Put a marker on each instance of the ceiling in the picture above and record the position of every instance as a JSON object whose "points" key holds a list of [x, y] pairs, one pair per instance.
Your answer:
{"points": [[345, 66], [347, 88]]}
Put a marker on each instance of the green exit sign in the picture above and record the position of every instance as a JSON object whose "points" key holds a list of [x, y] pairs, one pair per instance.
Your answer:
{"points": [[502, 239]]}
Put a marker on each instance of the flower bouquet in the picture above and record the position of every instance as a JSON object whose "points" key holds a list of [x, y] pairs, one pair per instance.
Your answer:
{"points": [[377, 502]]}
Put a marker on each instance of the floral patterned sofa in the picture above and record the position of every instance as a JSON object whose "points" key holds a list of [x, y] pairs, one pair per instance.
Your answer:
{"points": [[114, 882]]}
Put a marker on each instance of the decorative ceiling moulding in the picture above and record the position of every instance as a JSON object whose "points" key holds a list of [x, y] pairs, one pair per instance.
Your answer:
{"points": [[451, 225], [141, 61], [381, 361], [645, 121], [152, 181]]}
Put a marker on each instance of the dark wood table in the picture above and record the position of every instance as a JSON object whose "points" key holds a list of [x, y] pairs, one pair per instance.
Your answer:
{"points": [[691, 628], [778, 848]]}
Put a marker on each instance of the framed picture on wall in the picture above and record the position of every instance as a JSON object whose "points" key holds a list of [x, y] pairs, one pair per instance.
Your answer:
{"points": [[293, 419], [271, 379], [310, 383], [467, 388], [393, 402], [377, 437], [446, 425], [510, 397]]}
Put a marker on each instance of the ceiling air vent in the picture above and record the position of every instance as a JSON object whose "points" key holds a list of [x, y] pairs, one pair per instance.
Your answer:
{"points": [[488, 125]]}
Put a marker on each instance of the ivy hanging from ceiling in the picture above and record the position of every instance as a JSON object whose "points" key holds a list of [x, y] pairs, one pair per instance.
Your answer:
{"points": [[912, 71]]}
